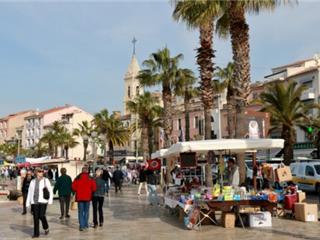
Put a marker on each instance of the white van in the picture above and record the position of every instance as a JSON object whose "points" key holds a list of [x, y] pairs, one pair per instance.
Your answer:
{"points": [[306, 175]]}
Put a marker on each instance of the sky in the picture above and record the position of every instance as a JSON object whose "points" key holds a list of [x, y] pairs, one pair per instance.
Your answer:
{"points": [[72, 52]]}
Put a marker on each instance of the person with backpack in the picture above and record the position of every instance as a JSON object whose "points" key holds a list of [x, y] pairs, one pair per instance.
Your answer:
{"points": [[40, 194]]}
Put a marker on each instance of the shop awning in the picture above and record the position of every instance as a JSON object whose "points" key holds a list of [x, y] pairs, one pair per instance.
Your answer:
{"points": [[234, 145]]}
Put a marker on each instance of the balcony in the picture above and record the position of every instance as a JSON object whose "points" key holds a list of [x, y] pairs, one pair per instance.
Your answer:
{"points": [[308, 94]]}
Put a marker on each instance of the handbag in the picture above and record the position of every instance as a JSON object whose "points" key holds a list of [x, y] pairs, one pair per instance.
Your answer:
{"points": [[46, 193]]}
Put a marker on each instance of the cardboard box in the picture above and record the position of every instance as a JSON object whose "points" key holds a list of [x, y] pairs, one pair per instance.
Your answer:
{"points": [[228, 220], [249, 209], [301, 197], [306, 212], [260, 219], [283, 174]]}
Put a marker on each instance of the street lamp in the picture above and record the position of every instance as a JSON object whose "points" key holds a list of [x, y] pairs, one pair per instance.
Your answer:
{"points": [[85, 139]]}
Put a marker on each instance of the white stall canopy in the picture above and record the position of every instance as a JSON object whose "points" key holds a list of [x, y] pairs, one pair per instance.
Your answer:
{"points": [[159, 154], [234, 145]]}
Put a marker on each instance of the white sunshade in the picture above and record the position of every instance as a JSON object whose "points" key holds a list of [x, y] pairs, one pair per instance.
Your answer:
{"points": [[234, 145], [159, 154]]}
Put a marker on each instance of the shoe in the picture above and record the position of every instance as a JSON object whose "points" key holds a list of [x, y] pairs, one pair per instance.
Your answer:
{"points": [[101, 224], [81, 229], [35, 236], [61, 217], [46, 232], [67, 216], [95, 226], [24, 213]]}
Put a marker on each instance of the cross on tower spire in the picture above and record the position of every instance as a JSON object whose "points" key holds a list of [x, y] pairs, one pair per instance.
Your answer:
{"points": [[134, 40]]}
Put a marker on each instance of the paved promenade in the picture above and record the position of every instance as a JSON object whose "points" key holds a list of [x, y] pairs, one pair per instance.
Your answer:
{"points": [[129, 217]]}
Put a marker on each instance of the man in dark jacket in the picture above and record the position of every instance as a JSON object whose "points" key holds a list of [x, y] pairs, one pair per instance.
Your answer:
{"points": [[84, 187], [142, 180], [117, 179], [24, 190], [152, 187], [63, 186]]}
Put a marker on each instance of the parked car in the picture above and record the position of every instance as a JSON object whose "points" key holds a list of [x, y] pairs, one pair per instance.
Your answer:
{"points": [[306, 175]]}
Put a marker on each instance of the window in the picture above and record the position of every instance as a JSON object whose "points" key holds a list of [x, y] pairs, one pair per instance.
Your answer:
{"points": [[309, 171], [196, 122], [201, 127], [317, 167], [179, 124], [137, 90], [129, 92]]}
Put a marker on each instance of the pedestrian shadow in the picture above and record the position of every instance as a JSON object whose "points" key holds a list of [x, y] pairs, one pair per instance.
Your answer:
{"points": [[24, 229], [299, 235]]}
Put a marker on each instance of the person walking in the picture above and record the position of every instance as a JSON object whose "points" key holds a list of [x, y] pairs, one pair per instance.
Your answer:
{"points": [[98, 198], [63, 186], [107, 178], [25, 187], [142, 181], [84, 187], [152, 188], [117, 179], [40, 194]]}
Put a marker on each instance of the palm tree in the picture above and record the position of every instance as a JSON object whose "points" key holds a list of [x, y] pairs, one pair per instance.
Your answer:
{"points": [[201, 15], [234, 22], [147, 108], [184, 86], [49, 138], [225, 75], [160, 69], [282, 101], [68, 142], [85, 129], [115, 133]]}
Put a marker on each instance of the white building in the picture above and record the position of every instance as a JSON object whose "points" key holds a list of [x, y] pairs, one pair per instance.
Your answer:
{"points": [[71, 116], [307, 73]]}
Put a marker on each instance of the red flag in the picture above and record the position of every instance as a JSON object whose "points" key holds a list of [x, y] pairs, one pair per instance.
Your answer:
{"points": [[154, 164]]}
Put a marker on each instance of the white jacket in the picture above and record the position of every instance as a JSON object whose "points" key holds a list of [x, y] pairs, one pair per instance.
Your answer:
{"points": [[43, 182]]}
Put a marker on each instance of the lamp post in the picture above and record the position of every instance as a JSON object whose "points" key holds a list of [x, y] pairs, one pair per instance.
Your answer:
{"points": [[85, 139]]}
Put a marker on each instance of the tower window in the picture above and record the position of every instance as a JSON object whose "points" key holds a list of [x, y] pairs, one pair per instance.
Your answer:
{"points": [[129, 95], [137, 90]]}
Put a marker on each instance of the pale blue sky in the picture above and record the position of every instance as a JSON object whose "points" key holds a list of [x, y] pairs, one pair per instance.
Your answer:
{"points": [[77, 53]]}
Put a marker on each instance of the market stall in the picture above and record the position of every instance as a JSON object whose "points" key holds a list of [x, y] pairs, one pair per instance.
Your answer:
{"points": [[199, 202]]}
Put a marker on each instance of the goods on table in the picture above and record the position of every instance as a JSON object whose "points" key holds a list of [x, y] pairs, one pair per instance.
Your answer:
{"points": [[283, 174], [301, 197]]}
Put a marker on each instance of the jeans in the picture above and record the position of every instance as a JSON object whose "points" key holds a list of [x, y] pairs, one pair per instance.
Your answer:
{"points": [[117, 185], [39, 213], [64, 200], [97, 203], [153, 196], [83, 214], [140, 186]]}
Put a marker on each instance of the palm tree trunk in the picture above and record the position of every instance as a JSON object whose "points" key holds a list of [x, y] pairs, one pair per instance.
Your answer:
{"points": [[187, 115], [288, 145], [111, 153], [150, 140], [204, 60], [167, 117], [144, 140], [239, 31], [85, 146], [67, 152], [230, 117]]}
